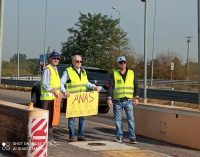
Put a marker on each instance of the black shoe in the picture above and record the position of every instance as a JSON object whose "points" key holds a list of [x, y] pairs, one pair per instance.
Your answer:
{"points": [[82, 139], [133, 141], [72, 140]]}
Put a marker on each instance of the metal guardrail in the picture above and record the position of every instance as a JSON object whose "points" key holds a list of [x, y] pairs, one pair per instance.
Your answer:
{"points": [[173, 95], [23, 83]]}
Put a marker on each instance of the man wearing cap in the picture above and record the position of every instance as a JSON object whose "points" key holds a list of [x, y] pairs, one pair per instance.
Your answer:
{"points": [[123, 94], [50, 89], [75, 80]]}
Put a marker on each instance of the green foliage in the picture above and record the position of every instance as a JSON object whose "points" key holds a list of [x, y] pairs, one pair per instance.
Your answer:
{"points": [[98, 39], [162, 67], [22, 58], [30, 67], [193, 70]]}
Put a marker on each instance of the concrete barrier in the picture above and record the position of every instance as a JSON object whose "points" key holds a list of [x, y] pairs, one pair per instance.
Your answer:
{"points": [[23, 130], [172, 124]]}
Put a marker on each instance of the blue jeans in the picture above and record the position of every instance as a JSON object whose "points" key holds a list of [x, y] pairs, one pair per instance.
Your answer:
{"points": [[81, 126], [118, 108]]}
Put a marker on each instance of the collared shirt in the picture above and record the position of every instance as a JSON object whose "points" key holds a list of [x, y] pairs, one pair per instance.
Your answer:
{"points": [[46, 79], [65, 78], [112, 84]]}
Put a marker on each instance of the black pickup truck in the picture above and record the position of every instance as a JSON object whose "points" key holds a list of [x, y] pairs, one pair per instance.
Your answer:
{"points": [[97, 76]]}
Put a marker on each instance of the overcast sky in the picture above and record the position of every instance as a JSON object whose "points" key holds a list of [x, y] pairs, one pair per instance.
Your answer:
{"points": [[175, 20]]}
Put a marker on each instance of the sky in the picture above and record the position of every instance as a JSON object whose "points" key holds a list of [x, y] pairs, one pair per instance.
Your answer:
{"points": [[175, 19]]}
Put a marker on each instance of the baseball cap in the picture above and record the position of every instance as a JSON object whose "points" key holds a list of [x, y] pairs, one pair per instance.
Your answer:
{"points": [[121, 58], [54, 54]]}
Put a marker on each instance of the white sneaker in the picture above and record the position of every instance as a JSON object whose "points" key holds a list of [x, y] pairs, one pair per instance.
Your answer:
{"points": [[51, 144], [54, 142]]}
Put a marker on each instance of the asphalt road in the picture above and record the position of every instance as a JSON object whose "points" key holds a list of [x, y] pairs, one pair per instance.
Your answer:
{"points": [[98, 128]]}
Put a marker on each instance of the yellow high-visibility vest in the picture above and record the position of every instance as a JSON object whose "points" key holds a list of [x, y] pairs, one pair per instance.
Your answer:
{"points": [[54, 83], [123, 89], [77, 84]]}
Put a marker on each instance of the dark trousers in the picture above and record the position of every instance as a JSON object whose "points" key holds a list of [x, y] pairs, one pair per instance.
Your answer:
{"points": [[49, 105]]}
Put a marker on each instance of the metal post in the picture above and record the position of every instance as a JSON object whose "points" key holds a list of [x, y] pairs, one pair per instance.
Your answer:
{"points": [[198, 5], [114, 8], [145, 48], [45, 33], [152, 58], [188, 50], [18, 43], [1, 32]]}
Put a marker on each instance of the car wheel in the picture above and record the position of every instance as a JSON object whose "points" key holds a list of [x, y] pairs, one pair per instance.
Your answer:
{"points": [[103, 109], [35, 98]]}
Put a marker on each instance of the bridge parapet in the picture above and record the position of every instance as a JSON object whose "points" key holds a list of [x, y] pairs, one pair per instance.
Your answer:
{"points": [[177, 125]]}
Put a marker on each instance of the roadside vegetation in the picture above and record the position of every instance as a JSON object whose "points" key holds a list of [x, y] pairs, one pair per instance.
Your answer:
{"points": [[27, 66]]}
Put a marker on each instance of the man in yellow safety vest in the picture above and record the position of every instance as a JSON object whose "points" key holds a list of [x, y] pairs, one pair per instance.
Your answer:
{"points": [[75, 80], [50, 89], [123, 93]]}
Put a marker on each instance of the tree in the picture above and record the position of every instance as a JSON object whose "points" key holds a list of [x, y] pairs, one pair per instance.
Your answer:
{"points": [[97, 38], [162, 66], [22, 58]]}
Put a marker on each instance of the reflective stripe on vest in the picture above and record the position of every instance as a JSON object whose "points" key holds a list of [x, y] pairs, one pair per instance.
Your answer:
{"points": [[123, 89], [54, 83], [77, 84]]}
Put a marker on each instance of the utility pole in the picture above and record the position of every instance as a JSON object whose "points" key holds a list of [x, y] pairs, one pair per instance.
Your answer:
{"points": [[188, 50], [1, 32]]}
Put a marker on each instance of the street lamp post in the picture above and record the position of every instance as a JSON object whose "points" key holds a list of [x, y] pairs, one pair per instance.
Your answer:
{"points": [[114, 8], [45, 34], [18, 43], [145, 48], [188, 50]]}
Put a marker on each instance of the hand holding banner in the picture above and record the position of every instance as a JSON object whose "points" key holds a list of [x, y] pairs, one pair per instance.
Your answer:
{"points": [[82, 104]]}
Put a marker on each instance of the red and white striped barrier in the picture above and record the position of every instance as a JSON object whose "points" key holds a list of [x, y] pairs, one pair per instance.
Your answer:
{"points": [[24, 130], [38, 136]]}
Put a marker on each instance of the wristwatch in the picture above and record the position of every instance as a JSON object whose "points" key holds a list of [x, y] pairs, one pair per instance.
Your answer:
{"points": [[137, 97], [109, 98]]}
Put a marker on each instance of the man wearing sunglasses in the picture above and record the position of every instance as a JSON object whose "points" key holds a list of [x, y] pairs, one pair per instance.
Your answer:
{"points": [[123, 93], [75, 80], [50, 89]]}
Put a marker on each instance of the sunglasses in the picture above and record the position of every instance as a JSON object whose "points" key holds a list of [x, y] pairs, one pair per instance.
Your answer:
{"points": [[56, 58], [79, 61], [122, 62]]}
